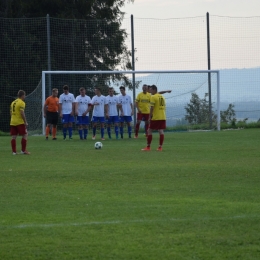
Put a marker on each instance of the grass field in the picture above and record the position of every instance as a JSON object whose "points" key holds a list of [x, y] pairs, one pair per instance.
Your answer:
{"points": [[198, 199]]}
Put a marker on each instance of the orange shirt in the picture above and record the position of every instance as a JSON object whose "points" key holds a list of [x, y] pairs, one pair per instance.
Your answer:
{"points": [[52, 104]]}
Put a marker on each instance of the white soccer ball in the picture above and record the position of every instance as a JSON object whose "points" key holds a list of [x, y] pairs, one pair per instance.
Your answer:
{"points": [[98, 145]]}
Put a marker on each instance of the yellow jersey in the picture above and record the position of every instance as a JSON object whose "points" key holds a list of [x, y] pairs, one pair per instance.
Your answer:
{"points": [[143, 100], [15, 108], [159, 107]]}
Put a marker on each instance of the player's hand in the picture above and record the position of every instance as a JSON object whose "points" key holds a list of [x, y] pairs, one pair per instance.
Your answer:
{"points": [[96, 103]]}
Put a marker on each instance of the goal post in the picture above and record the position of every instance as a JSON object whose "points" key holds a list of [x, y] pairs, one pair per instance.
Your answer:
{"points": [[182, 83]]}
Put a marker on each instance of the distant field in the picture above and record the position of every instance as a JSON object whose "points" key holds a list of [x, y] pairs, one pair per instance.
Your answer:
{"points": [[198, 199]]}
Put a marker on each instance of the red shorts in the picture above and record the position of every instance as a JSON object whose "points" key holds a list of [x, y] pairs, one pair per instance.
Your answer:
{"points": [[18, 130], [157, 124], [142, 117]]}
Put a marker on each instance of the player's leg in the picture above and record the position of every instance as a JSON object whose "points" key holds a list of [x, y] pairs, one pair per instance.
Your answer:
{"points": [[109, 121], [23, 132], [109, 130], [71, 121], [13, 133], [85, 127], [149, 140], [65, 121], [80, 127], [94, 128], [137, 126], [161, 139], [122, 126], [54, 125], [102, 126], [116, 130], [47, 129], [129, 127]]}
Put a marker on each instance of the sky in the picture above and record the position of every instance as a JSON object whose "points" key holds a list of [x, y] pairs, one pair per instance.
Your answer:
{"points": [[164, 9]]}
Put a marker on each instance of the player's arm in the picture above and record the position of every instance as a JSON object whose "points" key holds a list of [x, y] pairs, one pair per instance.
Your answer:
{"points": [[60, 109], [76, 107], [106, 110], [23, 117], [151, 112], [45, 109], [73, 108], [137, 106], [89, 108], [131, 105], [164, 91]]}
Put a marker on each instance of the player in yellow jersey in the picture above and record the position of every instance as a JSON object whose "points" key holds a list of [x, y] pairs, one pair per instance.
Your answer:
{"points": [[157, 118], [142, 103], [18, 123]]}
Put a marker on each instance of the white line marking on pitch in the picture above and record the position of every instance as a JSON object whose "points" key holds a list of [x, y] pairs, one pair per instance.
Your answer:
{"points": [[115, 222]]}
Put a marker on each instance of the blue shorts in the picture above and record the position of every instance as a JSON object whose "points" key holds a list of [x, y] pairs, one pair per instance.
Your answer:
{"points": [[82, 120], [112, 119], [67, 118], [100, 119], [127, 119]]}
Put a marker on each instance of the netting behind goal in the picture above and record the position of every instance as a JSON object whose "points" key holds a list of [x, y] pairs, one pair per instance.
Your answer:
{"points": [[193, 101]]}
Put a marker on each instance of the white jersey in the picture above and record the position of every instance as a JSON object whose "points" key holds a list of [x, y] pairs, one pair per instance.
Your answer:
{"points": [[66, 101], [126, 102], [83, 103], [98, 110], [112, 103]]}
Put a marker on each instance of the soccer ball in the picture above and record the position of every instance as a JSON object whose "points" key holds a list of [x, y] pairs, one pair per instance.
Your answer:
{"points": [[98, 145]]}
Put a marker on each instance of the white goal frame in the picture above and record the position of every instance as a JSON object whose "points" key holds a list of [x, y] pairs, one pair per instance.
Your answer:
{"points": [[133, 72]]}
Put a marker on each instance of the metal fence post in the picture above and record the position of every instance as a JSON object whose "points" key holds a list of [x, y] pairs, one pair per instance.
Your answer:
{"points": [[209, 68], [133, 64], [49, 50]]}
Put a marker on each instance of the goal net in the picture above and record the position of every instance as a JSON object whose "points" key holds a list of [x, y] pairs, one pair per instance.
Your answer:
{"points": [[193, 103]]}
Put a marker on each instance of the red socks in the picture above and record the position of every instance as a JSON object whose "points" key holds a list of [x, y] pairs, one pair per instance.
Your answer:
{"points": [[161, 140], [23, 143], [13, 144]]}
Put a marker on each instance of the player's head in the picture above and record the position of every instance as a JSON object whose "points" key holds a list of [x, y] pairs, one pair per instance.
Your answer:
{"points": [[82, 91], [110, 91], [153, 89], [149, 88], [66, 89], [122, 90], [145, 88], [21, 94], [98, 91], [55, 92]]}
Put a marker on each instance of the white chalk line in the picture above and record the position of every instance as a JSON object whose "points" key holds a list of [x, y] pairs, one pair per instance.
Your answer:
{"points": [[117, 222]]}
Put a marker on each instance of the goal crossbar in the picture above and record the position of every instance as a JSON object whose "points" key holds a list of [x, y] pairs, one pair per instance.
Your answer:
{"points": [[44, 73]]}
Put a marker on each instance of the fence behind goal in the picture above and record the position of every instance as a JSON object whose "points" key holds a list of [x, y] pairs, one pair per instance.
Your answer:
{"points": [[182, 84]]}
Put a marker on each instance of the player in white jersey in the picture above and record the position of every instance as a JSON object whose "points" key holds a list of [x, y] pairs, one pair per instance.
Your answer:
{"points": [[125, 102], [111, 108], [82, 108], [98, 114], [67, 109]]}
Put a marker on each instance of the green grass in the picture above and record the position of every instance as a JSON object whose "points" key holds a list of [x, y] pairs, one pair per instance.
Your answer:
{"points": [[198, 199]]}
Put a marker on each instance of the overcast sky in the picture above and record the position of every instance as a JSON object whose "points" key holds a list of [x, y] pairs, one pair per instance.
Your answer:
{"points": [[190, 8]]}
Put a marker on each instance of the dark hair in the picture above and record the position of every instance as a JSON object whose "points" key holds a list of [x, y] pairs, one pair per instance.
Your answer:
{"points": [[81, 89], [21, 93], [65, 87], [122, 88], [153, 87], [99, 89]]}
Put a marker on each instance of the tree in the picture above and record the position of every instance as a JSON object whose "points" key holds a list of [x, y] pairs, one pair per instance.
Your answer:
{"points": [[229, 115], [198, 110], [85, 35]]}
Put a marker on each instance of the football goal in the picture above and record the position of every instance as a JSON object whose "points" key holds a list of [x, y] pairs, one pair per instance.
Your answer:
{"points": [[193, 98]]}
